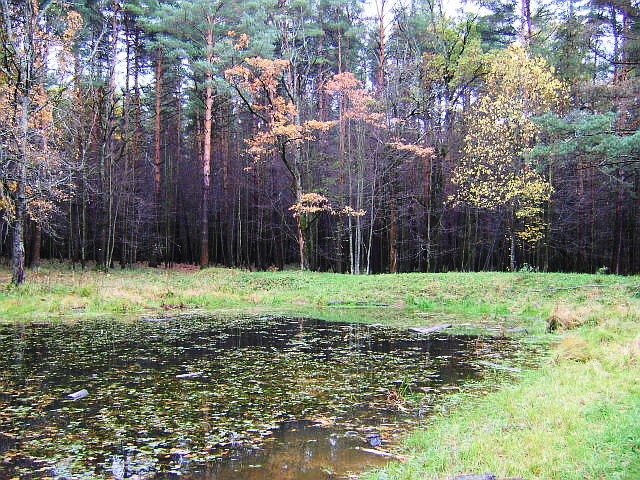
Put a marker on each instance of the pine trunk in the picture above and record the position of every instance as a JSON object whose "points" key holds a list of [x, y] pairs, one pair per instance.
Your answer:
{"points": [[206, 155], [157, 166]]}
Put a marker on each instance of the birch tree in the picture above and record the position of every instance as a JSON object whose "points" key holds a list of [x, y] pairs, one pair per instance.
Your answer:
{"points": [[29, 173], [494, 173]]}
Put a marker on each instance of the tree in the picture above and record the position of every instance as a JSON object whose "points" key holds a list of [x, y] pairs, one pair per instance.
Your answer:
{"points": [[29, 170], [261, 83], [197, 26], [493, 173], [586, 151], [498, 26], [138, 148], [357, 116], [442, 68]]}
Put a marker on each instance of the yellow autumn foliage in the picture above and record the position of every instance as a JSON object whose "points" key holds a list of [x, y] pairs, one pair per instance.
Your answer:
{"points": [[493, 172], [313, 203]]}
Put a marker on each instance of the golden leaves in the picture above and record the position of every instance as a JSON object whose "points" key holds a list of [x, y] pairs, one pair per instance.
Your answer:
{"points": [[310, 203], [358, 104], [528, 82], [7, 207], [237, 73], [262, 78], [492, 172], [342, 83], [417, 150], [314, 203], [241, 41], [316, 125], [258, 75], [351, 212], [74, 25], [42, 118]]}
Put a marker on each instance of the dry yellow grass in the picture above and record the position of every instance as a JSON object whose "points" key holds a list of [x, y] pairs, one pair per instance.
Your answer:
{"points": [[568, 317], [573, 348], [631, 353]]}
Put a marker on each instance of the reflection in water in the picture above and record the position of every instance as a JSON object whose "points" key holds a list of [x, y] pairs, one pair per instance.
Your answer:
{"points": [[301, 451], [273, 398]]}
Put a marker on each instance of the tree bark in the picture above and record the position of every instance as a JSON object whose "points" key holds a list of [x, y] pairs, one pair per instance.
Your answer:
{"points": [[157, 165], [527, 23], [393, 237], [18, 254], [381, 47], [23, 91], [206, 153], [300, 221]]}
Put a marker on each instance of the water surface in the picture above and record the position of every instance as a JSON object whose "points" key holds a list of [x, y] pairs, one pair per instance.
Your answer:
{"points": [[271, 398]]}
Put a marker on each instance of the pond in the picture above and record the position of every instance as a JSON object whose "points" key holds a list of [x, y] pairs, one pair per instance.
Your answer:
{"points": [[200, 398]]}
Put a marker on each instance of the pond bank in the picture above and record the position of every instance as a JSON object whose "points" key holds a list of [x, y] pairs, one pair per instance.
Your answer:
{"points": [[576, 417], [505, 300]]}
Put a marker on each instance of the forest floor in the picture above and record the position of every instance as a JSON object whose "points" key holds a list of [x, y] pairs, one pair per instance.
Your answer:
{"points": [[577, 416]]}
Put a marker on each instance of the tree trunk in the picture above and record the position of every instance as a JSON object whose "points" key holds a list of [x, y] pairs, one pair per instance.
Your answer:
{"points": [[157, 166], [527, 24], [512, 249], [428, 174], [18, 255], [381, 47], [301, 223], [23, 91], [393, 237], [18, 275], [372, 215], [206, 154]]}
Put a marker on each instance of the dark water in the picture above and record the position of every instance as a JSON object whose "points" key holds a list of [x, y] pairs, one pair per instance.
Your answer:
{"points": [[273, 398]]}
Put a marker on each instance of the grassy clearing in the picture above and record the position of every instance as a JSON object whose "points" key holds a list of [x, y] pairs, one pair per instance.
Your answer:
{"points": [[55, 292], [576, 417]]}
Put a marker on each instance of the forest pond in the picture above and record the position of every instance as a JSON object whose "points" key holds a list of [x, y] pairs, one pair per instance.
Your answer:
{"points": [[210, 399]]}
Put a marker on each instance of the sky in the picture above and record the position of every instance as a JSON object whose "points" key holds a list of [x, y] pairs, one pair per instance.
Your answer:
{"points": [[450, 7]]}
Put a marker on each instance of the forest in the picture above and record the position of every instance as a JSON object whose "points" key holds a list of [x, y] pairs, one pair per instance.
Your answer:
{"points": [[332, 135]]}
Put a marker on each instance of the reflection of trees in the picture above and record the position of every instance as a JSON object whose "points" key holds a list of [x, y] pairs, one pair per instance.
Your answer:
{"points": [[255, 377]]}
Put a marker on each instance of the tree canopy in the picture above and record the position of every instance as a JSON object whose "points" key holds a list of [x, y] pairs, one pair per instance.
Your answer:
{"points": [[335, 135]]}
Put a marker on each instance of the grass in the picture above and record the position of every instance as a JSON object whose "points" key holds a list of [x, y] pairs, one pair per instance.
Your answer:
{"points": [[55, 292], [575, 417]]}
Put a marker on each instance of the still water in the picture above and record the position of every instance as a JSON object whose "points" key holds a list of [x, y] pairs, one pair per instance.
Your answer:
{"points": [[197, 398]]}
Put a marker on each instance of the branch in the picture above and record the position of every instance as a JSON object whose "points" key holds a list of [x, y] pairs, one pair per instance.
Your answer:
{"points": [[248, 104], [7, 21]]}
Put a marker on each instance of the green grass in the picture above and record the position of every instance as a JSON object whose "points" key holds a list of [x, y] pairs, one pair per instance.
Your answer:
{"points": [[575, 417], [493, 298]]}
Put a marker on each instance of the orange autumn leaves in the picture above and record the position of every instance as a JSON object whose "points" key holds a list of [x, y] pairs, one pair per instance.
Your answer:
{"points": [[261, 78], [315, 203], [359, 104], [265, 82], [36, 143]]}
